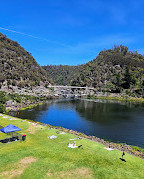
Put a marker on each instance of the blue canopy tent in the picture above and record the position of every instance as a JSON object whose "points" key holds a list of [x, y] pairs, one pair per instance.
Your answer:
{"points": [[10, 128]]}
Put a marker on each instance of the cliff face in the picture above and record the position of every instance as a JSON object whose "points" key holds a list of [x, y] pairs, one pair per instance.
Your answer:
{"points": [[18, 67]]}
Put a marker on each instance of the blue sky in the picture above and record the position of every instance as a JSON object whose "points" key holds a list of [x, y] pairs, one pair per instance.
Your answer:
{"points": [[73, 31]]}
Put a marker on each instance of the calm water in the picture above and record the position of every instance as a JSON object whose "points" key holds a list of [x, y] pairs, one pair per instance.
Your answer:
{"points": [[117, 122]]}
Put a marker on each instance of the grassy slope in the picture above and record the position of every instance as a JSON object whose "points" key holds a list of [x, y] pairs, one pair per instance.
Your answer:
{"points": [[58, 161]]}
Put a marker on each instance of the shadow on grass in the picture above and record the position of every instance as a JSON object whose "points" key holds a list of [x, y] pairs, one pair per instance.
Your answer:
{"points": [[122, 159]]}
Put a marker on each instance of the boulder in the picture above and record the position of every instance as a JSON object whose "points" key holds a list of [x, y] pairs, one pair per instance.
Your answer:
{"points": [[11, 103]]}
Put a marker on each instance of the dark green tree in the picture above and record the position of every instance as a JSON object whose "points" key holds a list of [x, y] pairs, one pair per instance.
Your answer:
{"points": [[2, 108], [127, 79]]}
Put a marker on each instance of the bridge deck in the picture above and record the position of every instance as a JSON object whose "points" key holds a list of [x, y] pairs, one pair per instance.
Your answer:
{"points": [[76, 87]]}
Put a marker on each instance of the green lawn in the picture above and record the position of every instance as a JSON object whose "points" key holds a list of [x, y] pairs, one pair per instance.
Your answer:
{"points": [[40, 157]]}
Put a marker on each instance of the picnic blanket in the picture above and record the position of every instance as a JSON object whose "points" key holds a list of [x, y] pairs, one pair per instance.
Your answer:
{"points": [[107, 148], [4, 117], [62, 133], [75, 138], [71, 146], [52, 137]]}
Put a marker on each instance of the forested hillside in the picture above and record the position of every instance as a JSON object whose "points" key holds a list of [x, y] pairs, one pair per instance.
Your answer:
{"points": [[115, 70], [62, 74], [17, 66]]}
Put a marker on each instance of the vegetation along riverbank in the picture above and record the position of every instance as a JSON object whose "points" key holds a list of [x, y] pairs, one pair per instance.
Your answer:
{"points": [[20, 101], [41, 157], [118, 98]]}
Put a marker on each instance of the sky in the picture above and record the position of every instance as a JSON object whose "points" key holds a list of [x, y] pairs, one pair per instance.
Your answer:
{"points": [[72, 32]]}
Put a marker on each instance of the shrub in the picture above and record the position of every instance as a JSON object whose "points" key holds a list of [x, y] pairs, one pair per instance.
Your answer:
{"points": [[14, 83], [3, 98], [18, 99], [2, 108]]}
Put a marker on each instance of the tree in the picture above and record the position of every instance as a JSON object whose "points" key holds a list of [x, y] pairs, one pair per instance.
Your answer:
{"points": [[127, 79], [2, 108]]}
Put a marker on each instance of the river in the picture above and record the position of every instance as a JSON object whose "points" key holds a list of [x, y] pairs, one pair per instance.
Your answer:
{"points": [[112, 121]]}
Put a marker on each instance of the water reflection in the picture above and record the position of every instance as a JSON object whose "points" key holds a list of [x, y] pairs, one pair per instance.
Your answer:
{"points": [[103, 113]]}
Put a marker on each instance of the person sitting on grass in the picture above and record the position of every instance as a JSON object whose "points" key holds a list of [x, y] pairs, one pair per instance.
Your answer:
{"points": [[74, 145]]}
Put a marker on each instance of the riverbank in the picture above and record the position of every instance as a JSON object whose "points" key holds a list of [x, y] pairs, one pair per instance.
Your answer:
{"points": [[25, 98], [40, 157], [118, 98], [19, 101], [125, 123], [133, 150], [28, 104]]}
